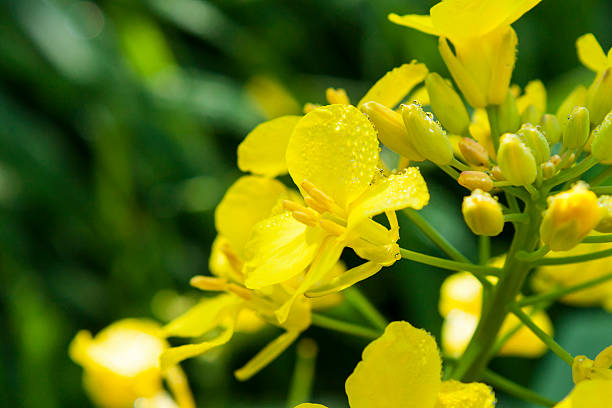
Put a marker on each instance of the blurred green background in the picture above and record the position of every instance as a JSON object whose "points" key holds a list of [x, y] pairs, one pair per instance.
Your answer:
{"points": [[119, 122]]}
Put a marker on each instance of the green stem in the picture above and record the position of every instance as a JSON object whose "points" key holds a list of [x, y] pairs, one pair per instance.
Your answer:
{"points": [[303, 373], [484, 249], [365, 307], [517, 390], [560, 292], [535, 194], [516, 217], [533, 256], [571, 173], [457, 164], [602, 190], [480, 271], [512, 203], [601, 177], [562, 260], [435, 237], [597, 239], [514, 272], [492, 115], [344, 327], [450, 171], [546, 339]]}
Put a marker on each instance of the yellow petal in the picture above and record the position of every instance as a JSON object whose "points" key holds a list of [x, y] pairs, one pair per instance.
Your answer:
{"points": [[462, 19], [396, 192], [249, 200], [78, 347], [460, 291], [346, 279], [416, 21], [393, 87], [535, 94], [399, 369], [604, 358], [457, 330], [263, 150], [524, 343], [175, 355], [334, 147], [463, 78], [455, 394], [178, 384], [589, 394], [502, 66], [222, 263], [590, 53], [203, 317], [266, 355], [280, 248]]}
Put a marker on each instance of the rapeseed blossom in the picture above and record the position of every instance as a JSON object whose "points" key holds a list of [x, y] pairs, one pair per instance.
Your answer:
{"points": [[402, 368]]}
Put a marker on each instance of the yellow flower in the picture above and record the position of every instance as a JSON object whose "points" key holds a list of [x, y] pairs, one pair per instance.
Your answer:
{"points": [[402, 368], [263, 150], [599, 97], [570, 216], [548, 278], [332, 157], [246, 203], [460, 303], [589, 394], [534, 96], [592, 55], [584, 368], [484, 42], [121, 366]]}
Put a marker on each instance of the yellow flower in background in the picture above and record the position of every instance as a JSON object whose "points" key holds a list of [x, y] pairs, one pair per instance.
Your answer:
{"points": [[547, 278], [599, 96], [460, 305], [121, 367], [484, 43], [263, 150], [214, 320], [592, 55], [402, 368], [589, 394], [333, 157]]}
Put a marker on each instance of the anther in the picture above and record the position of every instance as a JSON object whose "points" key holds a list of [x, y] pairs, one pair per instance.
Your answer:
{"points": [[323, 199], [332, 227], [208, 283], [305, 218], [243, 292]]}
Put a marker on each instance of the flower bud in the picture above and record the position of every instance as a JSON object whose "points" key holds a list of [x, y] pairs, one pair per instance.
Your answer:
{"points": [[605, 205], [530, 115], [601, 148], [391, 130], [473, 152], [552, 128], [577, 97], [447, 105], [497, 174], [536, 141], [578, 127], [427, 135], [599, 97], [483, 214], [508, 117], [548, 169], [516, 161], [473, 180], [570, 216]]}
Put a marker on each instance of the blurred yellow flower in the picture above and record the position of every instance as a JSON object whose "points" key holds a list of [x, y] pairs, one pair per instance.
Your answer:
{"points": [[121, 367], [484, 43], [589, 394], [402, 368]]}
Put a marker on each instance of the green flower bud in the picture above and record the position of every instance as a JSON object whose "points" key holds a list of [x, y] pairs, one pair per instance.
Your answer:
{"points": [[552, 128], [483, 214], [516, 160], [427, 135], [391, 130], [447, 105], [599, 98], [536, 141], [601, 148], [605, 205], [530, 115], [507, 116], [578, 127], [570, 216]]}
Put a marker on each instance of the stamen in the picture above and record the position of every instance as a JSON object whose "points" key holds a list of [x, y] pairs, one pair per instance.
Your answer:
{"points": [[241, 291], [233, 258], [305, 218], [208, 283], [332, 227], [337, 96], [314, 204], [318, 195], [309, 107]]}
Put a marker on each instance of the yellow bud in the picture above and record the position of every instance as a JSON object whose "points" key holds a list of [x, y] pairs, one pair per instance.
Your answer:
{"points": [[473, 180], [548, 169], [508, 117], [473, 152], [447, 105], [570, 216], [601, 148], [599, 97], [536, 141], [427, 135], [605, 205], [577, 97], [516, 161], [551, 128], [497, 174], [391, 130], [337, 96], [530, 115], [483, 214], [578, 127]]}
